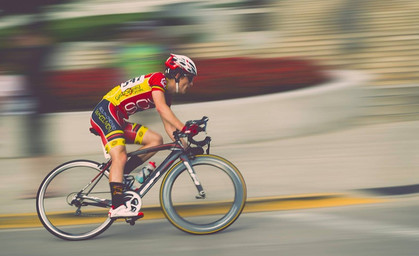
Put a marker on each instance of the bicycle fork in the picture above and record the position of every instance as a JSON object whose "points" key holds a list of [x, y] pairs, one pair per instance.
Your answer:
{"points": [[194, 177]]}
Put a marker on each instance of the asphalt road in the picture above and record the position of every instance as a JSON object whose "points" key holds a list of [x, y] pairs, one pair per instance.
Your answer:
{"points": [[387, 228]]}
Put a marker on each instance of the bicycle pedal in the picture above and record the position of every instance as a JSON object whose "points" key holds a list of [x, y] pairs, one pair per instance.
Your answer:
{"points": [[132, 220]]}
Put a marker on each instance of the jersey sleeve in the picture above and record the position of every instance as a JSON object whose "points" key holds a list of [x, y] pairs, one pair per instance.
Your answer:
{"points": [[158, 82]]}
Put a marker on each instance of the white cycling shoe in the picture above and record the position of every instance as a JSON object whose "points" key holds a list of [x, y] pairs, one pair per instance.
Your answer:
{"points": [[131, 208]]}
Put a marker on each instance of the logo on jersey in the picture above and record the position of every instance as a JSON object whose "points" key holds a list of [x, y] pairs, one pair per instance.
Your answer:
{"points": [[163, 82], [105, 119], [139, 105]]}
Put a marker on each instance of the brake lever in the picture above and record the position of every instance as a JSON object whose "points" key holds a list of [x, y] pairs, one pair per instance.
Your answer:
{"points": [[205, 127]]}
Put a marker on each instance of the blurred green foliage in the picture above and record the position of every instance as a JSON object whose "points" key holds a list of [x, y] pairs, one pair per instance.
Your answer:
{"points": [[91, 28], [81, 29]]}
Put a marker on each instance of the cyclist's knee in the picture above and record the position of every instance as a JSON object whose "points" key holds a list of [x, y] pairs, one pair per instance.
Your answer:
{"points": [[152, 139], [157, 140], [118, 154]]}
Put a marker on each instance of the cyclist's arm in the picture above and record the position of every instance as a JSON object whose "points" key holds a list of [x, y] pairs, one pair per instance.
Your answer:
{"points": [[170, 121]]}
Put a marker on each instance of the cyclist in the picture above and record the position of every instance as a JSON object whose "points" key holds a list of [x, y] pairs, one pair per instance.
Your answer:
{"points": [[109, 120]]}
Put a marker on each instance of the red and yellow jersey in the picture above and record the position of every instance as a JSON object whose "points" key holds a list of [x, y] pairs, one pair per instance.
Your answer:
{"points": [[135, 95]]}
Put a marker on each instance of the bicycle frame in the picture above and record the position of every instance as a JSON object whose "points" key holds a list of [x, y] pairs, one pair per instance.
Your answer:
{"points": [[178, 152]]}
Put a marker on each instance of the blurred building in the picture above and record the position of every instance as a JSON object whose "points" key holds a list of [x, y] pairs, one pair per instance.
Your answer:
{"points": [[379, 37]]}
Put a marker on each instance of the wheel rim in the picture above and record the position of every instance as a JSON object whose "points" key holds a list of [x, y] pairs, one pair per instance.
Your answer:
{"points": [[222, 213], [62, 219]]}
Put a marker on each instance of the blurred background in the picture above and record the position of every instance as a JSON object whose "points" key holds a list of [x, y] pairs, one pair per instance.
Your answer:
{"points": [[304, 97], [62, 56]]}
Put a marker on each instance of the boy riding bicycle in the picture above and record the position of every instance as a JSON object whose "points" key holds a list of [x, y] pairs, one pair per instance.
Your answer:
{"points": [[109, 119]]}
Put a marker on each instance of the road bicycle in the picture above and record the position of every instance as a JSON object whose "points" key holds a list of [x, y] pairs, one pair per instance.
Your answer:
{"points": [[200, 193]]}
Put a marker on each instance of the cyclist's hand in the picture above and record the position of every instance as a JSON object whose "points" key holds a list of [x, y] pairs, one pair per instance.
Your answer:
{"points": [[191, 130]]}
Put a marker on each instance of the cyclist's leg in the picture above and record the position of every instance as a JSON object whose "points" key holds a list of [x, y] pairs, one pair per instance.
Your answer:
{"points": [[108, 122], [151, 139], [119, 158], [139, 134]]}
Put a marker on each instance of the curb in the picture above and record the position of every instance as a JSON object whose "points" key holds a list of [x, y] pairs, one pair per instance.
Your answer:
{"points": [[392, 191]]}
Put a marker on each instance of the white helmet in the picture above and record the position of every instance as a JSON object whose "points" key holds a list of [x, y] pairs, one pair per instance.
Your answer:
{"points": [[180, 64]]}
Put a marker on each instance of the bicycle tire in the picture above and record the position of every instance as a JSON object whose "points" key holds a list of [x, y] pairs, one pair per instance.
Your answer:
{"points": [[192, 217], [68, 221]]}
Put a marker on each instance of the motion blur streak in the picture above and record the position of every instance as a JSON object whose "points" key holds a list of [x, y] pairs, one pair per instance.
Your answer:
{"points": [[58, 57]]}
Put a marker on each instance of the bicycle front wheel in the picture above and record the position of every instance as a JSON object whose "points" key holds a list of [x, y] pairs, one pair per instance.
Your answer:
{"points": [[73, 200], [224, 200]]}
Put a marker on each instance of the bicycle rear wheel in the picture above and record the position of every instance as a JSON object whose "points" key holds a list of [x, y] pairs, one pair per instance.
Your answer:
{"points": [[223, 203], [73, 200]]}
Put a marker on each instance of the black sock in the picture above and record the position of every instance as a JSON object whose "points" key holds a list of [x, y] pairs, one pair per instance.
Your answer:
{"points": [[132, 163], [117, 193]]}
